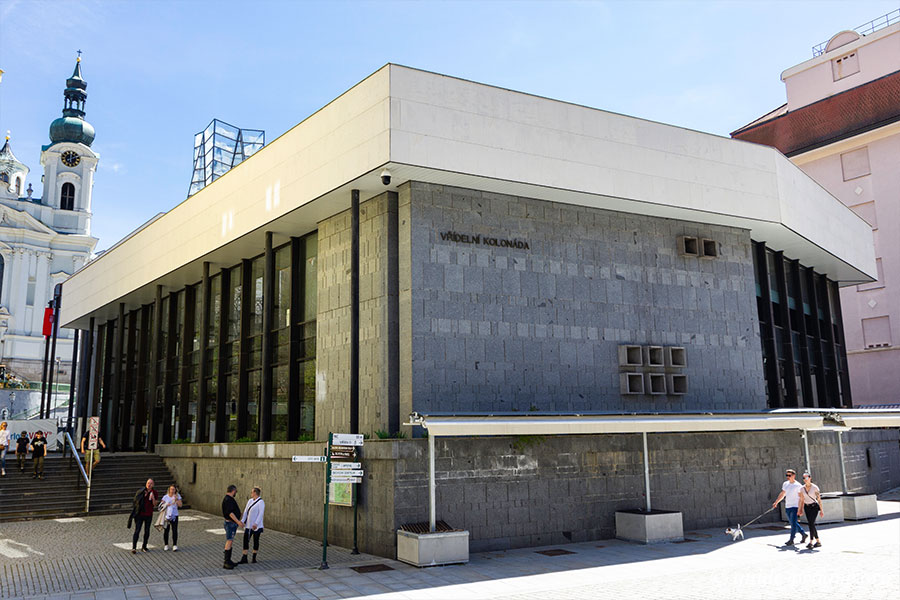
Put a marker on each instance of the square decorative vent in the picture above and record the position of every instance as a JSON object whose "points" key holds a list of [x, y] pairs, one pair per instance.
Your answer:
{"points": [[630, 356], [677, 384], [654, 356], [688, 246], [656, 384], [676, 357], [709, 248], [632, 383]]}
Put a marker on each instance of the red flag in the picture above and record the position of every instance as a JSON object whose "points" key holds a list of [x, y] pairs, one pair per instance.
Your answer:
{"points": [[48, 322]]}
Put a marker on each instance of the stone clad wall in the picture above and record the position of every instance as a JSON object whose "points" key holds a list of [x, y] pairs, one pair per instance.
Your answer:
{"points": [[496, 328], [525, 491]]}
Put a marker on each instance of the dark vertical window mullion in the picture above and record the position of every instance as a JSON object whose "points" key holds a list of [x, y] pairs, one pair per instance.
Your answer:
{"points": [[812, 285], [156, 337], [265, 410], [202, 388], [106, 426], [771, 365], [128, 435], [224, 315], [298, 259], [187, 346], [140, 400], [832, 372], [171, 365], [116, 433], [806, 384], [841, 356], [787, 338], [245, 343], [86, 385]]}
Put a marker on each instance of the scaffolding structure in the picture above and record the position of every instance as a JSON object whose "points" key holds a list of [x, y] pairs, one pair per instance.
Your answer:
{"points": [[219, 148]]}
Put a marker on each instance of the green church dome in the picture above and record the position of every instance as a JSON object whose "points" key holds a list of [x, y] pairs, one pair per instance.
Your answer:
{"points": [[71, 129]]}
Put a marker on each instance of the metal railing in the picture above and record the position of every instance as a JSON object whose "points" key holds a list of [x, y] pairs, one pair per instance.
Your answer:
{"points": [[865, 29], [84, 475]]}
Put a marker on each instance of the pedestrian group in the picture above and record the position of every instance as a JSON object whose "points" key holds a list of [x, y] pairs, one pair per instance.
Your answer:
{"points": [[799, 499], [37, 446], [147, 502]]}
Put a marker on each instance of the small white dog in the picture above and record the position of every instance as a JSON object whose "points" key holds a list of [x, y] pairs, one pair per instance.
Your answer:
{"points": [[735, 533]]}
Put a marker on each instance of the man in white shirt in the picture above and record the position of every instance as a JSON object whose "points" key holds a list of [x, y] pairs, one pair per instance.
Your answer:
{"points": [[790, 491]]}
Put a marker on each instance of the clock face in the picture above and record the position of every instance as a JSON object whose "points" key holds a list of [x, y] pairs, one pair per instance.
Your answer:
{"points": [[70, 158]]}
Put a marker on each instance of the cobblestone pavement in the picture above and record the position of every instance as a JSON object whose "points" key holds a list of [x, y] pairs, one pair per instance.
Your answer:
{"points": [[857, 560], [68, 555]]}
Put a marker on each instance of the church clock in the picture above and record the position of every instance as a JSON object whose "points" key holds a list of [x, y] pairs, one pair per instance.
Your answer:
{"points": [[70, 158]]}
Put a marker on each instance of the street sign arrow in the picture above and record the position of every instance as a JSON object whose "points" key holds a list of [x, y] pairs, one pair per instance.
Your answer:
{"points": [[346, 473], [346, 480], [310, 459], [346, 439], [345, 465]]}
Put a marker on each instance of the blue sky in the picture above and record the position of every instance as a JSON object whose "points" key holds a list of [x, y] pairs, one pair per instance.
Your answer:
{"points": [[158, 72]]}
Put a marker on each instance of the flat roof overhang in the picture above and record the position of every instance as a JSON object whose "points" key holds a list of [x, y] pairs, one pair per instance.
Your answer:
{"points": [[441, 130], [840, 419]]}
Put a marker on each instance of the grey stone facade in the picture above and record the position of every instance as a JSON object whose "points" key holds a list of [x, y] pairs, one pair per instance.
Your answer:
{"points": [[533, 490], [496, 328]]}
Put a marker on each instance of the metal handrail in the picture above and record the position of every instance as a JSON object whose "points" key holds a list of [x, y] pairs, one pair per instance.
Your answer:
{"points": [[87, 481], [865, 29]]}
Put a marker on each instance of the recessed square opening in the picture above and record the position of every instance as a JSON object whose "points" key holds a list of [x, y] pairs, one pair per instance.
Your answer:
{"points": [[632, 383], [710, 248], [656, 383], [654, 356], [688, 246], [676, 357], [677, 384], [630, 356]]}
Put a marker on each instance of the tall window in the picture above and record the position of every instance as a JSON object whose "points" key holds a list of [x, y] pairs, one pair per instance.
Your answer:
{"points": [[67, 199]]}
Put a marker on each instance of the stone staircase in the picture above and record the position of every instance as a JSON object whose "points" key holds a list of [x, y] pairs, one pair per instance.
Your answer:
{"points": [[62, 490]]}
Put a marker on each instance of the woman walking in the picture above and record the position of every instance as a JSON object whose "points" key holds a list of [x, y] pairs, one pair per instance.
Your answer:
{"points": [[811, 505], [253, 523], [172, 502], [4, 446]]}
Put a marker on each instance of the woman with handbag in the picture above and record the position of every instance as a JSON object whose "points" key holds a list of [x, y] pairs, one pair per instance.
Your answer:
{"points": [[811, 505], [253, 523], [169, 505]]}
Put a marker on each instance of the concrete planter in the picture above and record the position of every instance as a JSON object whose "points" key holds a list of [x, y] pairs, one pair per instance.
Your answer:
{"points": [[649, 528], [831, 504], [859, 506], [432, 549]]}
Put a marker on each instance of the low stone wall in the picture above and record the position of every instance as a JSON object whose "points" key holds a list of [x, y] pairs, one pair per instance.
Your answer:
{"points": [[524, 491]]}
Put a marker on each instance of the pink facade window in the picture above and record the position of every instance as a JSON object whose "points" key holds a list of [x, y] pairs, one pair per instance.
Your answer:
{"points": [[845, 66], [855, 163], [877, 332]]}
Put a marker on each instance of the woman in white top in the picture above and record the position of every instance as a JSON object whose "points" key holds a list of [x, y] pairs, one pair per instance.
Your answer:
{"points": [[171, 502], [4, 446], [253, 523], [811, 504]]}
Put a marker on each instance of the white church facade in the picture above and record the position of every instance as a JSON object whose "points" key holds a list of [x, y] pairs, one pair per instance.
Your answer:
{"points": [[44, 240]]}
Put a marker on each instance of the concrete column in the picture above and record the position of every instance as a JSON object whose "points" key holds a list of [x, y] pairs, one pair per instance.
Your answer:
{"points": [[18, 291]]}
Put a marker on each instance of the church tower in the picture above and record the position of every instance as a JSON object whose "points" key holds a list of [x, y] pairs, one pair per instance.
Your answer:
{"points": [[69, 163]]}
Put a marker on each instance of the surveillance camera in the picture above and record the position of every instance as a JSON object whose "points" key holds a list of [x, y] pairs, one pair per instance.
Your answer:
{"points": [[386, 177]]}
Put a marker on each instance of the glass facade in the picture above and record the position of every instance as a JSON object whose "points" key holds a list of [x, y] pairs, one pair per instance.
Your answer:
{"points": [[220, 147], [804, 355], [159, 386]]}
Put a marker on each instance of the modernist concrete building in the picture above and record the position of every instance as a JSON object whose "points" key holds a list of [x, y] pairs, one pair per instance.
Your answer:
{"points": [[44, 240], [841, 125], [425, 244]]}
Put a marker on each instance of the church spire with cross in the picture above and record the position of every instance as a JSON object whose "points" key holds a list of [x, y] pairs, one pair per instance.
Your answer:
{"points": [[72, 127]]}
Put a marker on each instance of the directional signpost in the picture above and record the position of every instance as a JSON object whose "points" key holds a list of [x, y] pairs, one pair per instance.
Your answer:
{"points": [[340, 469]]}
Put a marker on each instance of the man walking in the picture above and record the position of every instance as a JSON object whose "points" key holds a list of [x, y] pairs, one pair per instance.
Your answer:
{"points": [[38, 452], [230, 512], [145, 502], [790, 491]]}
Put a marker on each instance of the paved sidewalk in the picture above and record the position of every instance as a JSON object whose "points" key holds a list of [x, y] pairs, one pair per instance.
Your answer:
{"points": [[857, 560]]}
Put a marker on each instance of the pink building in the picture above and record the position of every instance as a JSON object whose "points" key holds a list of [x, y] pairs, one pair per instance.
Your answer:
{"points": [[841, 125]]}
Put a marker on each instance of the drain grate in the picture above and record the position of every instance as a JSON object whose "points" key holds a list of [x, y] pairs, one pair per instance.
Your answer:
{"points": [[423, 527], [772, 528], [554, 552], [684, 541], [372, 568]]}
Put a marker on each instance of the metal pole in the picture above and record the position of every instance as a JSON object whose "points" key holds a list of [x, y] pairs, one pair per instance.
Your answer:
{"points": [[72, 381], [355, 489], [354, 311], [646, 470], [805, 435], [431, 485], [840, 436], [57, 296], [44, 376], [324, 564], [87, 497]]}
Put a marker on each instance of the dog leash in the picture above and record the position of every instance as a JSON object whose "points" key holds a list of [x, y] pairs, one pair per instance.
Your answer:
{"points": [[759, 517]]}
